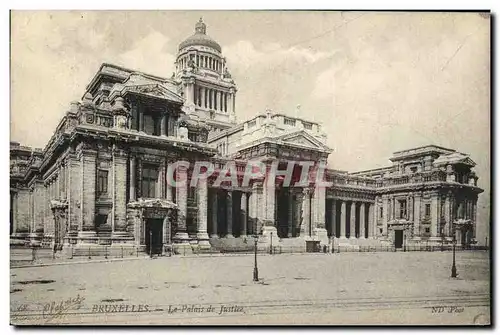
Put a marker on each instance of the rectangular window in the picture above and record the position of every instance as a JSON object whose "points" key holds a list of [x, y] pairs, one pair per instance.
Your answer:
{"points": [[102, 182], [427, 230], [381, 212], [149, 180], [427, 210]]}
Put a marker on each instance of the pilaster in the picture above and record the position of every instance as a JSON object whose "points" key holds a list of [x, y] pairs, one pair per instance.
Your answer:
{"points": [[87, 233]]}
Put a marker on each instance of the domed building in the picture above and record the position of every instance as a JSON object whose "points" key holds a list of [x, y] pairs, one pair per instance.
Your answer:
{"points": [[106, 179], [207, 86]]}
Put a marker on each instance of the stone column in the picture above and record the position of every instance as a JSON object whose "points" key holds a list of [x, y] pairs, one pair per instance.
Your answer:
{"points": [[333, 217], [63, 181], [74, 193], [181, 198], [352, 222], [87, 233], [214, 213], [22, 220], [119, 217], [269, 202], [202, 200], [385, 214], [38, 203], [230, 103], [168, 184], [202, 97], [343, 221], [372, 223], [410, 208], [290, 213], [306, 213], [163, 124], [243, 212], [447, 216], [362, 220], [132, 172], [258, 205], [269, 190], [320, 204], [416, 217], [229, 214], [141, 118], [434, 215], [298, 215]]}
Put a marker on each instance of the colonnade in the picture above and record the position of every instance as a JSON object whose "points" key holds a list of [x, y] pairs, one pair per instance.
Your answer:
{"points": [[350, 219]]}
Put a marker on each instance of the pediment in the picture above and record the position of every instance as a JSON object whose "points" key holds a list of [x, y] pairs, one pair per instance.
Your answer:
{"points": [[454, 158], [155, 90], [303, 139]]}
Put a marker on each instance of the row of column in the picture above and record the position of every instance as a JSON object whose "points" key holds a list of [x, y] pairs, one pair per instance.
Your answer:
{"points": [[211, 98], [241, 214], [202, 61], [344, 214], [165, 120]]}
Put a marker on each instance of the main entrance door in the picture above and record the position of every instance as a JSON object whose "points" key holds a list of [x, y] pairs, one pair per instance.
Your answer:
{"points": [[154, 236], [398, 238]]}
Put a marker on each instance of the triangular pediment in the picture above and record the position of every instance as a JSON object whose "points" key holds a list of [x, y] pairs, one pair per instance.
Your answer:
{"points": [[155, 90], [303, 139], [454, 158]]}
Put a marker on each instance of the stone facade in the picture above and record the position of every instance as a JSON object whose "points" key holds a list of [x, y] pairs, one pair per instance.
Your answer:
{"points": [[103, 176]]}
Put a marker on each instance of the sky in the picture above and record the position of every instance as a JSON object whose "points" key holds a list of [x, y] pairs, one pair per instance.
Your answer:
{"points": [[377, 82]]}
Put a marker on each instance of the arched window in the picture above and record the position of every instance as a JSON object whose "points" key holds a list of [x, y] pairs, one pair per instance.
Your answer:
{"points": [[215, 99]]}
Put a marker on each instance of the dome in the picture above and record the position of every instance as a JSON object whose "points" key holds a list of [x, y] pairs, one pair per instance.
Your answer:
{"points": [[200, 38]]}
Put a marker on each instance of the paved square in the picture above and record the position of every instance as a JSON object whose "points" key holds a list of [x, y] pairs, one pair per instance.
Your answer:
{"points": [[370, 288]]}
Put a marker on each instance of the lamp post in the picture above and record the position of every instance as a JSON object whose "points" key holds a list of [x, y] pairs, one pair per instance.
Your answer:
{"points": [[150, 244], [453, 266], [271, 250], [255, 270]]}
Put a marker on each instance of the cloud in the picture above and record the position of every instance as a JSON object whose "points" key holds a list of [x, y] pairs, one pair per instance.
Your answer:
{"points": [[149, 55], [247, 55]]}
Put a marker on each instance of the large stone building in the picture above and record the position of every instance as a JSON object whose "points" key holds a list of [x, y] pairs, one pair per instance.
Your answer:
{"points": [[102, 178]]}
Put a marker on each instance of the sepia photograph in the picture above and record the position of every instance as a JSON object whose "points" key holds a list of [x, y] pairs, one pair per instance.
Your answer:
{"points": [[250, 167]]}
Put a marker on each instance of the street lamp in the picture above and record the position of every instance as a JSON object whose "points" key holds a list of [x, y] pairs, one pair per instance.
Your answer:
{"points": [[255, 270], [150, 244], [271, 250], [453, 267]]}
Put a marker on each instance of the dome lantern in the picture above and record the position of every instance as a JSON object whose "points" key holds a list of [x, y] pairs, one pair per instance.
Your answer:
{"points": [[200, 38]]}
